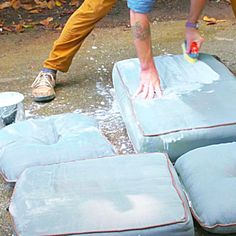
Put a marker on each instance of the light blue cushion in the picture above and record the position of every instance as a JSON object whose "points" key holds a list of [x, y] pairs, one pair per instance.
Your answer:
{"points": [[49, 140], [208, 175], [198, 107], [127, 195]]}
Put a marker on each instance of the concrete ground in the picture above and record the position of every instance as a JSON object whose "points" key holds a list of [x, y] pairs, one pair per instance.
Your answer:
{"points": [[87, 87]]}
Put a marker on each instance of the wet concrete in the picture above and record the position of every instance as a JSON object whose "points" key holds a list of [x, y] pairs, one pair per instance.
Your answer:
{"points": [[87, 87]]}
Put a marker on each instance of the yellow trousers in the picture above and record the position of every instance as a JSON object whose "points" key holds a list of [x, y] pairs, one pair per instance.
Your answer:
{"points": [[233, 3], [77, 28]]}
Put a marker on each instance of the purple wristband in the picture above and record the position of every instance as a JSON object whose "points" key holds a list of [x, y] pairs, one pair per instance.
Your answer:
{"points": [[191, 25]]}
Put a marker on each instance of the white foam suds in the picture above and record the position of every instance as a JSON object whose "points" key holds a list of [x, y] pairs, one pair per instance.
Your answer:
{"points": [[171, 138], [107, 113], [32, 108], [179, 77]]}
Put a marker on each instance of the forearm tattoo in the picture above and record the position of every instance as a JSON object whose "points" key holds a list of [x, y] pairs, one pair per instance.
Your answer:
{"points": [[140, 32]]}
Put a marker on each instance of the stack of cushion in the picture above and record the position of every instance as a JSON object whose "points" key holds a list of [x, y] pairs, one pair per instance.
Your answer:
{"points": [[63, 189]]}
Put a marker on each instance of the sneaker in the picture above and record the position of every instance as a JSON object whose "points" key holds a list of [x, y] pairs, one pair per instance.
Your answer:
{"points": [[43, 87]]}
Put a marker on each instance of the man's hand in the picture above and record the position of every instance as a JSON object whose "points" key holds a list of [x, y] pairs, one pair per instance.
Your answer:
{"points": [[192, 35], [149, 78], [149, 84]]}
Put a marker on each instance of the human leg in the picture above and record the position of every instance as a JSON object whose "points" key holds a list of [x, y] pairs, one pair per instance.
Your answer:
{"points": [[77, 28]]}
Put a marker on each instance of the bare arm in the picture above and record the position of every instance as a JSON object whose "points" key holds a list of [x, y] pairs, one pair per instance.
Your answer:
{"points": [[192, 35], [150, 82], [196, 10]]}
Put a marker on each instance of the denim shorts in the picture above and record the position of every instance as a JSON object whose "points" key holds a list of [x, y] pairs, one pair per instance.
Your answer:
{"points": [[141, 6]]}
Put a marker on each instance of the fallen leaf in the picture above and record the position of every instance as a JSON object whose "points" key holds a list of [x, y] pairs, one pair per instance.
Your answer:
{"points": [[46, 22], [5, 5], [41, 4], [27, 1], [19, 28], [74, 3], [38, 2], [28, 26], [36, 11], [219, 21], [15, 4], [212, 20], [58, 3], [28, 7], [208, 19], [7, 29], [51, 4], [58, 27]]}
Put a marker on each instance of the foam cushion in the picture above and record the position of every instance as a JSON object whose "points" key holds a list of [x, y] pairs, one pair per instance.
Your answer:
{"points": [[129, 196], [198, 106], [49, 140], [208, 175]]}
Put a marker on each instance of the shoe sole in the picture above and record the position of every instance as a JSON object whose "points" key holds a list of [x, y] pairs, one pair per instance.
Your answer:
{"points": [[44, 99]]}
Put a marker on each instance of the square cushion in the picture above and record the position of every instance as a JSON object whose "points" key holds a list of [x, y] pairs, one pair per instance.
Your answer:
{"points": [[54, 139], [208, 175], [197, 108], [128, 195]]}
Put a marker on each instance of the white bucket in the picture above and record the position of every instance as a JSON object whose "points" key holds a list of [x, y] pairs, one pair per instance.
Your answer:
{"points": [[11, 108]]}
